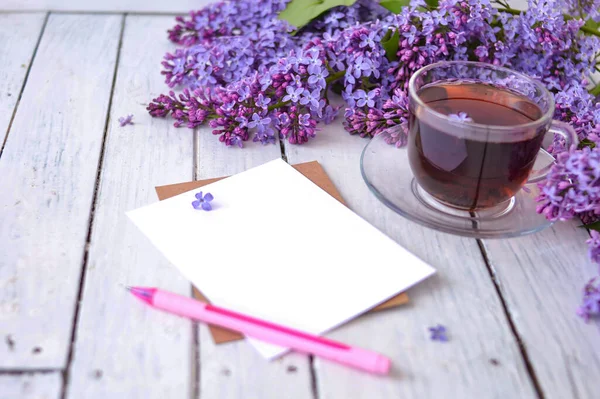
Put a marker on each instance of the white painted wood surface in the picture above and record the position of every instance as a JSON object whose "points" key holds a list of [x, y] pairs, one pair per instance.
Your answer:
{"points": [[31, 386], [461, 297], [124, 349], [48, 171], [19, 34], [541, 278], [137, 6], [236, 370]]}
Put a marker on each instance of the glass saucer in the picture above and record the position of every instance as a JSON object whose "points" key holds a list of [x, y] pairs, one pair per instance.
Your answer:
{"points": [[387, 172]]}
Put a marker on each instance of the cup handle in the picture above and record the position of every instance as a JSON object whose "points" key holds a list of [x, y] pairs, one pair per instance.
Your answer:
{"points": [[570, 136]]}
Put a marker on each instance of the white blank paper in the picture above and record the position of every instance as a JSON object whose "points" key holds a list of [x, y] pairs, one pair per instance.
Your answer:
{"points": [[278, 247]]}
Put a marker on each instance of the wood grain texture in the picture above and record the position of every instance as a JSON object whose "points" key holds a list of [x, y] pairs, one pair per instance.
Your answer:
{"points": [[236, 370], [19, 34], [124, 349], [48, 171], [541, 277], [518, 4], [31, 386], [137, 6], [482, 359]]}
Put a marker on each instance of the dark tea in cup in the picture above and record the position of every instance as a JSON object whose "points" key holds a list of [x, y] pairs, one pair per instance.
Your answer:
{"points": [[476, 172], [475, 132]]}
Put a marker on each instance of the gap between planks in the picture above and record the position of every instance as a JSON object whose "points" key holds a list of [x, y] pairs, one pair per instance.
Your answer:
{"points": [[66, 371], [314, 384], [12, 117], [30, 371], [511, 323]]}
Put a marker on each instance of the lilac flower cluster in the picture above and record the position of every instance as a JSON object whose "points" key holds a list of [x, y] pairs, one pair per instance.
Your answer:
{"points": [[227, 49], [576, 106], [227, 59], [228, 41], [443, 34], [372, 121], [289, 96], [225, 18], [582, 8], [573, 185]]}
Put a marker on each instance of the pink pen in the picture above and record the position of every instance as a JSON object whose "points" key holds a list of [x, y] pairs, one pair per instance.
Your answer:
{"points": [[264, 330]]}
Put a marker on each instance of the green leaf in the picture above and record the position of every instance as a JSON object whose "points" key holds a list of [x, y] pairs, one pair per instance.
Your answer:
{"points": [[390, 43], [595, 91], [591, 24], [592, 226], [432, 3], [586, 143], [590, 27], [300, 12], [394, 6]]}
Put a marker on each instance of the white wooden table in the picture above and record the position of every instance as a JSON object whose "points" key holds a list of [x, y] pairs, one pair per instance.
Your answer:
{"points": [[68, 173]]}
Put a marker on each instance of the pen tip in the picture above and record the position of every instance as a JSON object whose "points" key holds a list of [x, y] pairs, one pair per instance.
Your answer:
{"points": [[128, 287], [144, 293]]}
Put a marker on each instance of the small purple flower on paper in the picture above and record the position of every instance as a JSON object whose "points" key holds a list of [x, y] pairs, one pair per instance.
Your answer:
{"points": [[203, 202], [460, 117], [126, 120], [438, 333]]}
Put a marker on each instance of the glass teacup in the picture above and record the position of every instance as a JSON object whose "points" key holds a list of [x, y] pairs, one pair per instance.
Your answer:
{"points": [[476, 130]]}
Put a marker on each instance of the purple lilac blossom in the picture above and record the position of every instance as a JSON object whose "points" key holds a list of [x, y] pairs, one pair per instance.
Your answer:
{"points": [[594, 246], [126, 120], [589, 8], [572, 185], [590, 306], [438, 333], [460, 117], [202, 201]]}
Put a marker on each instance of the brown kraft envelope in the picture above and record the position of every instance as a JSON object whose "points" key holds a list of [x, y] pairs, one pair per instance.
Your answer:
{"points": [[315, 173]]}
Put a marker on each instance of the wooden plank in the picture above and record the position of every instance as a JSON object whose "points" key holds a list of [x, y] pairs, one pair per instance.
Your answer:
{"points": [[518, 4], [122, 348], [48, 171], [482, 358], [137, 6], [541, 277], [236, 370], [31, 386], [19, 34], [214, 159]]}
